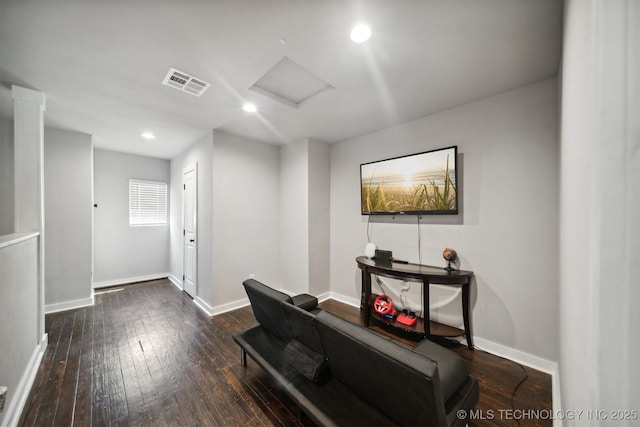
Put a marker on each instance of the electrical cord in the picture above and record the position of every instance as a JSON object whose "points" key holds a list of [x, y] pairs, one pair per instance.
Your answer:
{"points": [[420, 262], [404, 301], [421, 302], [379, 281], [515, 389], [403, 295], [419, 244], [368, 232], [513, 393]]}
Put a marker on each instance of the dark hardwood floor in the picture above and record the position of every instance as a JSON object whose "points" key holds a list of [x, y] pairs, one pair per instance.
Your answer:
{"points": [[144, 354]]}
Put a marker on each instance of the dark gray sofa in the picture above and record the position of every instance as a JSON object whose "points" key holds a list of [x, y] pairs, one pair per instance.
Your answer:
{"points": [[340, 373]]}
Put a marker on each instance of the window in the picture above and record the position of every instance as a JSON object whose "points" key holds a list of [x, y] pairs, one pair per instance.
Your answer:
{"points": [[147, 203]]}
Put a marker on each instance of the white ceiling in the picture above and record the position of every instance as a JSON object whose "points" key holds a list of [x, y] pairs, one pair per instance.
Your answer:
{"points": [[101, 63]]}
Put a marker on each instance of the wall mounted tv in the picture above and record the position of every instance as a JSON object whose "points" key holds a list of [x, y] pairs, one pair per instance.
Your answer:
{"points": [[417, 184]]}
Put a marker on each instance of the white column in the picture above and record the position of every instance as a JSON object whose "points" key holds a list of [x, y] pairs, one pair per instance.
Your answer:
{"points": [[29, 107]]}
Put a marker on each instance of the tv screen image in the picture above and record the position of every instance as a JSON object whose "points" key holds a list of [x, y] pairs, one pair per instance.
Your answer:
{"points": [[417, 184]]}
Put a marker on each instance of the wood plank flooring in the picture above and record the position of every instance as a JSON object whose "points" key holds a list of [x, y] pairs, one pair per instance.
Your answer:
{"points": [[144, 354]]}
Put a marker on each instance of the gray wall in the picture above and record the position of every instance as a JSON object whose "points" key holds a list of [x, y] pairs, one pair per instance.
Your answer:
{"points": [[124, 253], [6, 178], [238, 195], [507, 232], [600, 216], [245, 215], [319, 217], [294, 216], [201, 153], [304, 216], [68, 193], [19, 314], [242, 220]]}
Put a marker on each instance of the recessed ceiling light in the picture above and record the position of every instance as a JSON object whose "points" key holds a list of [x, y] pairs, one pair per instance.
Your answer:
{"points": [[148, 135], [360, 33], [249, 107]]}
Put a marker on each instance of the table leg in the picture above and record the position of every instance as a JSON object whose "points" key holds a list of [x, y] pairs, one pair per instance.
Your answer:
{"points": [[366, 285], [425, 308], [465, 315]]}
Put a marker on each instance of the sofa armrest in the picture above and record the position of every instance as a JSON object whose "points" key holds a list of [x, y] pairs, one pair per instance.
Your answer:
{"points": [[452, 368], [305, 301]]}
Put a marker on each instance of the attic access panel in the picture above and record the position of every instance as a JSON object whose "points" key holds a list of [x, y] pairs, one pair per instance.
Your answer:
{"points": [[289, 83]]}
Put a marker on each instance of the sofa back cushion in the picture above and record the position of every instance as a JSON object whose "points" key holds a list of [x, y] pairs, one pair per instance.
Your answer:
{"points": [[402, 384], [265, 302]]}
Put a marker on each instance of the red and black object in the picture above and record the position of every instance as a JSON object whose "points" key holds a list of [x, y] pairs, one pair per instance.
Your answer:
{"points": [[383, 305], [408, 319]]}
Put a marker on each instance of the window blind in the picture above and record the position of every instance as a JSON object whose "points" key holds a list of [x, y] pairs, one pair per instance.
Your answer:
{"points": [[147, 203]]}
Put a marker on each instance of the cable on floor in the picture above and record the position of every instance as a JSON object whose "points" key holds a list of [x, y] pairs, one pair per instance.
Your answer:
{"points": [[513, 393]]}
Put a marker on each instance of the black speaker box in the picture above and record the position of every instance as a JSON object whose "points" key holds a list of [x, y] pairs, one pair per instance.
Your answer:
{"points": [[383, 257]]}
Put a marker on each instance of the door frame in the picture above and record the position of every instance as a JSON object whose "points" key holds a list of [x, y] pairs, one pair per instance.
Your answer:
{"points": [[192, 167]]}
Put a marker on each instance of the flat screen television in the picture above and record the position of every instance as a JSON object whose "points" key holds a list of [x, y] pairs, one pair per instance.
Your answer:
{"points": [[417, 184]]}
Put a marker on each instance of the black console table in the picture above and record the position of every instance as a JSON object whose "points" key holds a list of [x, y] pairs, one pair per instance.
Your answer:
{"points": [[426, 275]]}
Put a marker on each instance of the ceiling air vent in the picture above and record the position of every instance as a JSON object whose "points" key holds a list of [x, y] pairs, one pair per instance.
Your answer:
{"points": [[185, 82]]}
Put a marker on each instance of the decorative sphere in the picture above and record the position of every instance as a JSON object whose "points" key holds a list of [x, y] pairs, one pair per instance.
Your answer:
{"points": [[370, 250], [449, 254]]}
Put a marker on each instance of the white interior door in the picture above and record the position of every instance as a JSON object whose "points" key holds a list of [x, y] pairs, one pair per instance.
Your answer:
{"points": [[190, 223]]}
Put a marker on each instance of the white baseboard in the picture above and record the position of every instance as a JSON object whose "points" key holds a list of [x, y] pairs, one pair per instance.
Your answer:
{"points": [[127, 280], [69, 305], [233, 305], [16, 405], [173, 279], [202, 305], [518, 356], [324, 296], [354, 302]]}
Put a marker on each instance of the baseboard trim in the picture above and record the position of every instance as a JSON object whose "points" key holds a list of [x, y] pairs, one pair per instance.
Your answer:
{"points": [[354, 302], [219, 309], [173, 279], [230, 306], [202, 305], [518, 356], [324, 296], [69, 305], [127, 280], [16, 405]]}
